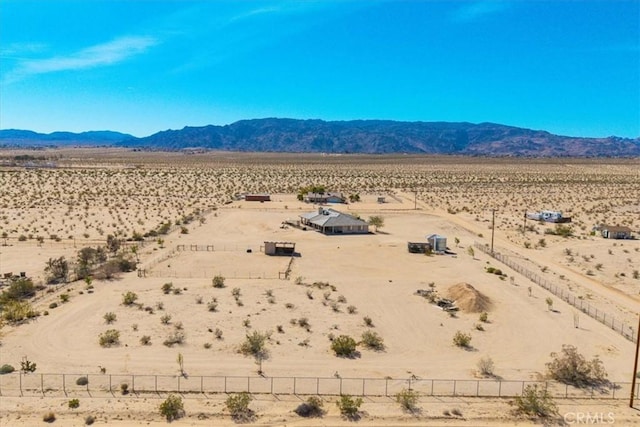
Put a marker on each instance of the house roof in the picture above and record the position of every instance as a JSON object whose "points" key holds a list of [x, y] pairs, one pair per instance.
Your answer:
{"points": [[615, 228], [435, 236], [324, 195], [332, 218]]}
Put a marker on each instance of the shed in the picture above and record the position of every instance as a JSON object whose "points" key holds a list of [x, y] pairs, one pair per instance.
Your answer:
{"points": [[279, 248], [262, 197], [437, 242], [615, 232], [418, 247]]}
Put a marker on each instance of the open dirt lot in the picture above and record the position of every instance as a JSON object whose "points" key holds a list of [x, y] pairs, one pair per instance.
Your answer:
{"points": [[333, 284]]}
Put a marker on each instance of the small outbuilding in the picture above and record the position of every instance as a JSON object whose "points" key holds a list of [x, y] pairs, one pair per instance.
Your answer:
{"points": [[324, 198], [279, 248], [261, 197], [418, 247], [437, 242], [614, 232]]}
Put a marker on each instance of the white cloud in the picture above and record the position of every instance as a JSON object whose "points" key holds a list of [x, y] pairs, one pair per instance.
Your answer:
{"points": [[473, 11], [94, 56]]}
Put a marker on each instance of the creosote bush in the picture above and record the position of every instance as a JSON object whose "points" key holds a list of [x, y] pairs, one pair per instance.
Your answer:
{"points": [[311, 408], [461, 339], [109, 338], [372, 340], [408, 399], [238, 407], [349, 406], [535, 402], [172, 408], [218, 281], [570, 367], [344, 346], [49, 417]]}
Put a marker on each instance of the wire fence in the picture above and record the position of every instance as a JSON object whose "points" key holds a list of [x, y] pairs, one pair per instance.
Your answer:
{"points": [[623, 328], [98, 385]]}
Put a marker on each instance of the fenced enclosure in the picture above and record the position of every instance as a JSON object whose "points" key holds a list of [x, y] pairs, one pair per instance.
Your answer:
{"points": [[623, 328], [33, 384]]}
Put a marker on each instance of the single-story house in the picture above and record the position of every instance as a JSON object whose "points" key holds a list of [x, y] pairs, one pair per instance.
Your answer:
{"points": [[261, 197], [329, 221], [437, 242], [614, 232], [324, 198]]}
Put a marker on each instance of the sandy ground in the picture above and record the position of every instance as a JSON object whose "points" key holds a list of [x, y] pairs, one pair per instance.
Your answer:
{"points": [[374, 273]]}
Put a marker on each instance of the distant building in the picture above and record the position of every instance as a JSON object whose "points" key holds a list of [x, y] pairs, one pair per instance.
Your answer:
{"points": [[438, 243], [279, 248], [324, 198], [381, 199], [614, 232], [262, 197], [548, 216], [329, 221], [418, 247]]}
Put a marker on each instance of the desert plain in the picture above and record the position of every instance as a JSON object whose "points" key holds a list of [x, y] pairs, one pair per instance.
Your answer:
{"points": [[58, 201]]}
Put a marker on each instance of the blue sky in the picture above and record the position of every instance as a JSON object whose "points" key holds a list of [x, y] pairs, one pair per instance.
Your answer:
{"points": [[142, 66]]}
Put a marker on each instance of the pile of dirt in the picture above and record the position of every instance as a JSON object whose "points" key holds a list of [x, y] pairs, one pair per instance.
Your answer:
{"points": [[468, 298]]}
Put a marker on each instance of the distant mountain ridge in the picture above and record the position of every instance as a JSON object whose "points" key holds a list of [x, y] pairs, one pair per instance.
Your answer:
{"points": [[356, 136], [17, 137]]}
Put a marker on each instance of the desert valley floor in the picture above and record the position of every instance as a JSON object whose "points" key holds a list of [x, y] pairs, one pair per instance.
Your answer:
{"points": [[334, 285]]}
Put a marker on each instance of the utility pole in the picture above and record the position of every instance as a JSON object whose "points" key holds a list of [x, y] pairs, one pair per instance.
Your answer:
{"points": [[524, 225], [493, 227], [415, 200], [635, 365]]}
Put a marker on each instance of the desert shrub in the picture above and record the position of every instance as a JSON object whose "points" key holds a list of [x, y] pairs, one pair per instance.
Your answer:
{"points": [[311, 408], [109, 338], [461, 339], [485, 366], [18, 311], [484, 317], [368, 321], [124, 388], [349, 406], [53, 305], [129, 298], [238, 406], [303, 322], [172, 408], [218, 281], [167, 287], [212, 305], [570, 367], [49, 417], [89, 420], [19, 289], [535, 402], [64, 298], [254, 344], [74, 403], [352, 309], [408, 399], [218, 333], [110, 317], [344, 346], [82, 381], [207, 345], [165, 319], [27, 366], [236, 292], [372, 340], [145, 340], [6, 369], [177, 337]]}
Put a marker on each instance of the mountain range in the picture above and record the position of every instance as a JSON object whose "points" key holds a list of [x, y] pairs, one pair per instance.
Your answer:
{"points": [[356, 136]]}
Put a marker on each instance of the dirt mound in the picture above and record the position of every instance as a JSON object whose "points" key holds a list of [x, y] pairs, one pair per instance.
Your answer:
{"points": [[468, 298]]}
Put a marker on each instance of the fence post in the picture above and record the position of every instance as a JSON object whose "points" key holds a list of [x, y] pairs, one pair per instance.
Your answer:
{"points": [[64, 385], [110, 387], [201, 384], [340, 386], [271, 385], [294, 385], [178, 383], [500, 389], [363, 381], [225, 383], [318, 386], [21, 383], [455, 382], [409, 383], [613, 391], [133, 383], [156, 383], [386, 386], [431, 387], [477, 388], [248, 384]]}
